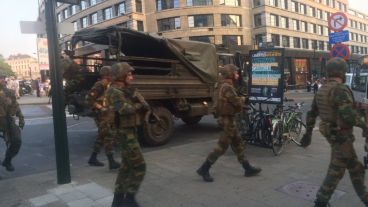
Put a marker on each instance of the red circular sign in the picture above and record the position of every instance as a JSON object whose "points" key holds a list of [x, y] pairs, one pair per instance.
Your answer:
{"points": [[337, 21], [340, 50]]}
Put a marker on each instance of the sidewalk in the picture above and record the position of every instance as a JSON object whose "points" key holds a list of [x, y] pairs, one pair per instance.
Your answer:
{"points": [[289, 180], [33, 100]]}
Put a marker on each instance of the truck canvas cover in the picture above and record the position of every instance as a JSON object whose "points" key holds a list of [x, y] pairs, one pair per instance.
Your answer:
{"points": [[199, 57]]}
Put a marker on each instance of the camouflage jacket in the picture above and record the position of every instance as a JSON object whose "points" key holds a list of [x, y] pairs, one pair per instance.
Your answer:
{"points": [[341, 103], [9, 104], [124, 105], [229, 103], [97, 94]]}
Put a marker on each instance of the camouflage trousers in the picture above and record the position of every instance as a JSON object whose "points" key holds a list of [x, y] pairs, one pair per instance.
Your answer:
{"points": [[11, 136], [230, 136], [343, 156], [105, 137], [133, 168]]}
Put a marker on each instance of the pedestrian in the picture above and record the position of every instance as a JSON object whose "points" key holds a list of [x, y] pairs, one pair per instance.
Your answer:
{"points": [[309, 86], [315, 86], [228, 106], [37, 85], [9, 108], [127, 104], [104, 119], [334, 104]]}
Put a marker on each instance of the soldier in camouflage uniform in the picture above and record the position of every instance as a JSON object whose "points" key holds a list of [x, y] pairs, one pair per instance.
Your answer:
{"points": [[104, 120], [334, 104], [9, 108], [127, 104], [229, 104]]}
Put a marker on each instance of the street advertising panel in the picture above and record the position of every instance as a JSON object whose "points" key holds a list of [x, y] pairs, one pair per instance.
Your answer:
{"points": [[266, 76], [43, 53]]}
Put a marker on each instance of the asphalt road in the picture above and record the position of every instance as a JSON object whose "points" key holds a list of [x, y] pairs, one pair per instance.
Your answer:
{"points": [[38, 149]]}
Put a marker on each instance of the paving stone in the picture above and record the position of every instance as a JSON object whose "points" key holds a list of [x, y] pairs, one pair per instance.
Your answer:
{"points": [[72, 196], [94, 191], [43, 200], [85, 202]]}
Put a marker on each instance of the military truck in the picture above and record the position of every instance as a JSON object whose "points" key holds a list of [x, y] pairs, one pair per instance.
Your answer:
{"points": [[177, 78]]}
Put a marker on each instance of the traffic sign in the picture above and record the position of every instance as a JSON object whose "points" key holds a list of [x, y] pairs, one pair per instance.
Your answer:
{"points": [[337, 21], [338, 37], [340, 50]]}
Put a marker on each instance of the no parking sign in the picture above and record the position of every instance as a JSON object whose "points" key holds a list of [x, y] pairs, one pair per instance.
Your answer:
{"points": [[340, 50]]}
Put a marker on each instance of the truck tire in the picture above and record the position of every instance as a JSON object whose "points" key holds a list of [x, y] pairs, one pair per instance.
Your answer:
{"points": [[159, 132], [191, 120]]}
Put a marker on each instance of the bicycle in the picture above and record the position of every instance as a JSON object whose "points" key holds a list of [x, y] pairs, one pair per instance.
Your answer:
{"points": [[287, 127]]}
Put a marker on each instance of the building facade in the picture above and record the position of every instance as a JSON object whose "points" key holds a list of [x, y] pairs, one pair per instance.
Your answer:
{"points": [[301, 27], [24, 66]]}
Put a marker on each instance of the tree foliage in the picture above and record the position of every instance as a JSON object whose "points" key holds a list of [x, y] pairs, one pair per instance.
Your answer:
{"points": [[5, 68]]}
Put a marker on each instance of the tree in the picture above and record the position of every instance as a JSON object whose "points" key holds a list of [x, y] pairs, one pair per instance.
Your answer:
{"points": [[5, 68]]}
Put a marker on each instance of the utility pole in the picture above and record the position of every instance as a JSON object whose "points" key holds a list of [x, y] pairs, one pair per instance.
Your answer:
{"points": [[58, 110]]}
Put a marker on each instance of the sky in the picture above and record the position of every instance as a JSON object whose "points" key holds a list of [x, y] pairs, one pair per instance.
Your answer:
{"points": [[11, 13]]}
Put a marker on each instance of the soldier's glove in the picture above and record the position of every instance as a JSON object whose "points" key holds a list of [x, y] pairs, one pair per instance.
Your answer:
{"points": [[21, 122], [306, 139]]}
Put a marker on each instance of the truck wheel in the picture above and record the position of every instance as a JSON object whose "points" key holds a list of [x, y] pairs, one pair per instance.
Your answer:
{"points": [[159, 132], [191, 120]]}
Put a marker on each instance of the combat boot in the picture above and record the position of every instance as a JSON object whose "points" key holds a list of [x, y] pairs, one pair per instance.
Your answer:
{"points": [[112, 163], [118, 200], [318, 203], [7, 164], [250, 170], [204, 171], [93, 161], [130, 200]]}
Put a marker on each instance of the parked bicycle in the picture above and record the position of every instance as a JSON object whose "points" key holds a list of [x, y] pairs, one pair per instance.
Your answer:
{"points": [[287, 126]]}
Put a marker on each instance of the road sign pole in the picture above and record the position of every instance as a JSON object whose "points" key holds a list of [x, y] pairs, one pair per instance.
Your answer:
{"points": [[58, 108]]}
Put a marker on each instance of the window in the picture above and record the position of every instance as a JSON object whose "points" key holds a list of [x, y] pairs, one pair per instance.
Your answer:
{"points": [[121, 9], [260, 38], [305, 43], [304, 26], [296, 42], [200, 20], [284, 22], [66, 13], [59, 17], [208, 39], [321, 45], [303, 9], [199, 2], [74, 9], [312, 11], [107, 13], [94, 18], [166, 4], [274, 20], [314, 44], [294, 6], [83, 5], [92, 2], [84, 22], [319, 30], [257, 3], [296, 24], [285, 41], [231, 40], [258, 20], [284, 4], [319, 14], [274, 3], [138, 6], [275, 38], [230, 2], [313, 28], [168, 24], [140, 26], [229, 20]]}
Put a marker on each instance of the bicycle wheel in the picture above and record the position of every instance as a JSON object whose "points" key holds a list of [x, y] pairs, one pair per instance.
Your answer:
{"points": [[278, 142], [296, 131]]}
